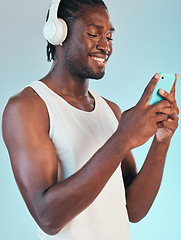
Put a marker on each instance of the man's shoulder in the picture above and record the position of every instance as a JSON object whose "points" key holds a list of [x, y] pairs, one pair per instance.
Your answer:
{"points": [[23, 105], [26, 98], [115, 108]]}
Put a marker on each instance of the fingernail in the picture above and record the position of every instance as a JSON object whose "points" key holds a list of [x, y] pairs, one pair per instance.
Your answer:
{"points": [[161, 91], [157, 75]]}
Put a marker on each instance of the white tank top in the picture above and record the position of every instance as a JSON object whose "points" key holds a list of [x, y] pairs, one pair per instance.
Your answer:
{"points": [[76, 136]]}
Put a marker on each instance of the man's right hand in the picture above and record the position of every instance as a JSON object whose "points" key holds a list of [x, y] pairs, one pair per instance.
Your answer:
{"points": [[141, 121]]}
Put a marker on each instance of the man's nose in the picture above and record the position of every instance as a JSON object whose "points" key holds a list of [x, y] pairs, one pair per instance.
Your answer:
{"points": [[103, 44]]}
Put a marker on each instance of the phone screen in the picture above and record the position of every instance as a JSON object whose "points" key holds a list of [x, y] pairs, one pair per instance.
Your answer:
{"points": [[165, 82]]}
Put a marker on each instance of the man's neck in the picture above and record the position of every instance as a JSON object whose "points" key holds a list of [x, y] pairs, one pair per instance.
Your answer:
{"points": [[61, 81]]}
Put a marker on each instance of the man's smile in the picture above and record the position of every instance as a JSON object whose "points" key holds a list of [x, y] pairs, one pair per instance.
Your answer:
{"points": [[99, 58]]}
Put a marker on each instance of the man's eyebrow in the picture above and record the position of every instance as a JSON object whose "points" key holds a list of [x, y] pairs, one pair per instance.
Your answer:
{"points": [[100, 27]]}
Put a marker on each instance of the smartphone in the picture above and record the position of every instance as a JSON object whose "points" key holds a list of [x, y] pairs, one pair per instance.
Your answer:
{"points": [[165, 82]]}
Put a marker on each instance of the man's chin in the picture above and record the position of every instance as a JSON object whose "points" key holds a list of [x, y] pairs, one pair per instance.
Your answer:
{"points": [[98, 76]]}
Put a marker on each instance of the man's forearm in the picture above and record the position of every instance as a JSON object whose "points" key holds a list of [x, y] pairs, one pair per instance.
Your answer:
{"points": [[143, 190], [65, 200]]}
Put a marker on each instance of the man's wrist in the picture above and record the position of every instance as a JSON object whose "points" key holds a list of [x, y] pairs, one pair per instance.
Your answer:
{"points": [[163, 142], [123, 143]]}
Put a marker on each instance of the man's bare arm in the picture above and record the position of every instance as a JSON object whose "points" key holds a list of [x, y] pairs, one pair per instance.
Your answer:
{"points": [[34, 162]]}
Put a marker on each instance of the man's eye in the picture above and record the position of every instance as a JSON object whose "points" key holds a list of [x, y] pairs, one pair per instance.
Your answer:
{"points": [[110, 39], [92, 35]]}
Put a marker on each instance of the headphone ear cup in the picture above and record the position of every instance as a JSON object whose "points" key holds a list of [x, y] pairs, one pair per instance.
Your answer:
{"points": [[55, 31]]}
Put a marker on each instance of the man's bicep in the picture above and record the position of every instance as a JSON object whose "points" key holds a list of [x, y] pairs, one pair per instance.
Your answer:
{"points": [[129, 170], [31, 151]]}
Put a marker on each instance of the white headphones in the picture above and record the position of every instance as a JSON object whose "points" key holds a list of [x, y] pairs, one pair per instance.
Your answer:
{"points": [[55, 29]]}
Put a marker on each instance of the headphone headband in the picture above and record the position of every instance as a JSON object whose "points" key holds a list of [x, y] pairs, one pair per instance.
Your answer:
{"points": [[54, 9]]}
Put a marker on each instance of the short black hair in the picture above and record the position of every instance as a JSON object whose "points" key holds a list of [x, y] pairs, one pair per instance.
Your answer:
{"points": [[69, 11]]}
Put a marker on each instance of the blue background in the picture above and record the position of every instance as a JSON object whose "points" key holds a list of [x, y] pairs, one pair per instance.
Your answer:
{"points": [[147, 40]]}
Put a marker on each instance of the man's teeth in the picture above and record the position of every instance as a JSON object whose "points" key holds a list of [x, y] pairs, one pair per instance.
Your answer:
{"points": [[99, 59]]}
